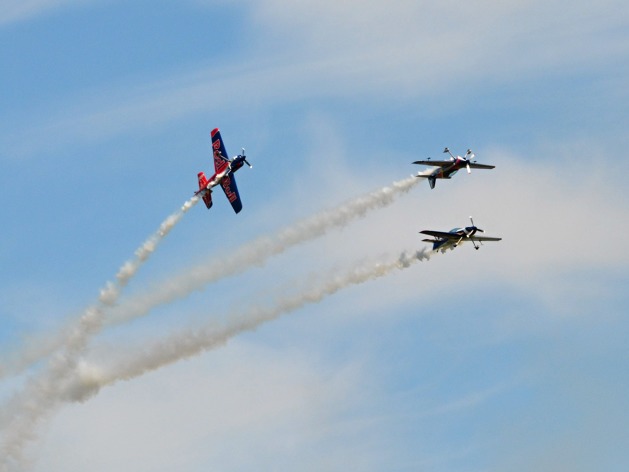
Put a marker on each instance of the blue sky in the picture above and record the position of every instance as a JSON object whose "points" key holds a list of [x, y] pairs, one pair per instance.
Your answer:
{"points": [[508, 358]]}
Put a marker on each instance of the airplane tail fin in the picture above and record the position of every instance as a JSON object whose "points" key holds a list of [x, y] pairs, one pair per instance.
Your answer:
{"points": [[207, 195]]}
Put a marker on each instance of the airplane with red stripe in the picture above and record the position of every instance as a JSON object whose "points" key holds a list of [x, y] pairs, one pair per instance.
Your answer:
{"points": [[447, 168], [224, 174]]}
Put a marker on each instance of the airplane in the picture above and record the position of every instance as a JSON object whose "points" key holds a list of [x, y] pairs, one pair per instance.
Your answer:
{"points": [[223, 175], [442, 240], [446, 169]]}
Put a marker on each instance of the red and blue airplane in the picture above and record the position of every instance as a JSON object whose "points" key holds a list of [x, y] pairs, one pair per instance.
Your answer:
{"points": [[223, 175]]}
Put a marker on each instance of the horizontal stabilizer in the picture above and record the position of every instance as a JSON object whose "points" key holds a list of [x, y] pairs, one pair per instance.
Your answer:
{"points": [[205, 193], [207, 199]]}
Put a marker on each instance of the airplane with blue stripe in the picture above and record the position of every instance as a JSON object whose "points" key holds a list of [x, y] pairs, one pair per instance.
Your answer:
{"points": [[224, 174], [443, 240]]}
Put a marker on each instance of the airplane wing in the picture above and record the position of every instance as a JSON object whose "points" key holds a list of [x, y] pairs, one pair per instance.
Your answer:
{"points": [[217, 145], [484, 238], [474, 165], [434, 163], [231, 192], [441, 234]]}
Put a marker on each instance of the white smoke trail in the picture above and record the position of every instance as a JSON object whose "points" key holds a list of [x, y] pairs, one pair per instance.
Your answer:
{"points": [[40, 396], [258, 251], [109, 295], [22, 413], [194, 341], [250, 254]]}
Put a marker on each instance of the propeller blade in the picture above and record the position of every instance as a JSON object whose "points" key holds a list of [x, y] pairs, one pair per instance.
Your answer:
{"points": [[244, 158], [474, 226]]}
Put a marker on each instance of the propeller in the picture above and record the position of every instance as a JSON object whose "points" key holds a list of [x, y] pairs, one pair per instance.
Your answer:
{"points": [[469, 155], [473, 231], [244, 158], [474, 226]]}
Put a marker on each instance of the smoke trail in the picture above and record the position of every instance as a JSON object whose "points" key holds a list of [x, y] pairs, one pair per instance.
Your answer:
{"points": [[258, 251], [194, 341], [40, 394], [109, 295], [253, 253]]}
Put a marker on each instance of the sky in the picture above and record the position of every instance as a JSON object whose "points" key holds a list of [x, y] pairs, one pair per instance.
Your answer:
{"points": [[513, 357]]}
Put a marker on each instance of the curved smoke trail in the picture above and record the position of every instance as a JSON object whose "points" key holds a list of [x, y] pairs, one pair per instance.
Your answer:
{"points": [[259, 250], [250, 254], [41, 395], [22, 413], [194, 341]]}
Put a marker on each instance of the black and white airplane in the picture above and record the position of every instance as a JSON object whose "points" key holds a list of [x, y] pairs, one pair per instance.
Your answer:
{"points": [[451, 239], [446, 169]]}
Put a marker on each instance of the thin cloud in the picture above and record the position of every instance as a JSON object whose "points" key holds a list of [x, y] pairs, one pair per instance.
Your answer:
{"points": [[181, 285], [23, 412], [423, 62], [195, 340], [14, 11]]}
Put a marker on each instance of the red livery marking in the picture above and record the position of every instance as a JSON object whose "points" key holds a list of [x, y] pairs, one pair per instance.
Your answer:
{"points": [[219, 164], [231, 196], [216, 144]]}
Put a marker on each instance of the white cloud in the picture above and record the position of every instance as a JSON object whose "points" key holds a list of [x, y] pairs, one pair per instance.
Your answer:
{"points": [[423, 51], [243, 408], [12, 11], [515, 192], [558, 213]]}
